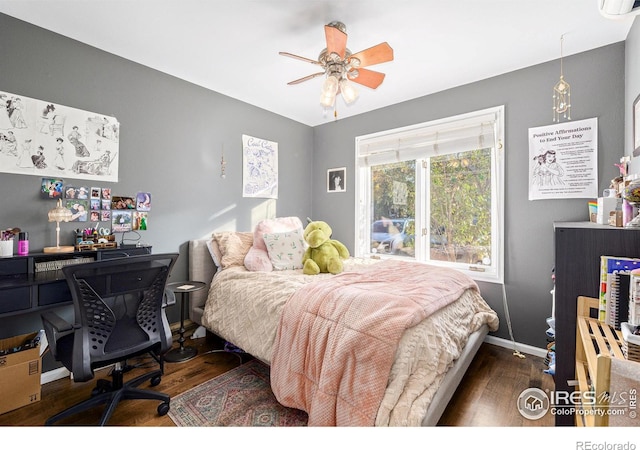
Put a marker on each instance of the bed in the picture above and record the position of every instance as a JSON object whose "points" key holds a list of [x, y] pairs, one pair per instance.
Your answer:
{"points": [[427, 362]]}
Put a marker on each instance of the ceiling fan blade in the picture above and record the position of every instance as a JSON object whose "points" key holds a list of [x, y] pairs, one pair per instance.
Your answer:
{"points": [[301, 58], [368, 78], [375, 55], [308, 77], [336, 40]]}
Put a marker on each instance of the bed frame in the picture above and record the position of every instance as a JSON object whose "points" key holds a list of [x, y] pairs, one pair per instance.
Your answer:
{"points": [[202, 268]]}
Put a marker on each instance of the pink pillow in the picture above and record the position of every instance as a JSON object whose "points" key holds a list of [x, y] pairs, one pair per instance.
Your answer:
{"points": [[277, 225], [257, 260]]}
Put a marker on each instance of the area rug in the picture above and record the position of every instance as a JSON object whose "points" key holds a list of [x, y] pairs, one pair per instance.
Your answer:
{"points": [[239, 397]]}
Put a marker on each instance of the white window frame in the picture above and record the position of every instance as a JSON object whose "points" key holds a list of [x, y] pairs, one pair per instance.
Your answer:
{"points": [[422, 139]]}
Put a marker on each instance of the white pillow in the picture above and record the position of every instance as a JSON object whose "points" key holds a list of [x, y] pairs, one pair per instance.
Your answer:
{"points": [[285, 249]]}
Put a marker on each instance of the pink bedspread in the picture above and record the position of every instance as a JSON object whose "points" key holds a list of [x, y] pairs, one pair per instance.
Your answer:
{"points": [[337, 337]]}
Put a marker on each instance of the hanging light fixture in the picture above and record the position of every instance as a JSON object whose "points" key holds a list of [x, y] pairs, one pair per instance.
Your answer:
{"points": [[561, 94]]}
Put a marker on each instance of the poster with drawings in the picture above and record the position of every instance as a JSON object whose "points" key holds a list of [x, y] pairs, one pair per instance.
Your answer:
{"points": [[563, 160], [50, 140], [260, 167]]}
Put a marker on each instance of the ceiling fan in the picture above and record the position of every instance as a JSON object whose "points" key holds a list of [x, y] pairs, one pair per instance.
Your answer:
{"points": [[341, 66]]}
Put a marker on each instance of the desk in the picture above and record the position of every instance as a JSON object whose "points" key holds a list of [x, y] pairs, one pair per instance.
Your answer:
{"points": [[35, 282], [183, 353]]}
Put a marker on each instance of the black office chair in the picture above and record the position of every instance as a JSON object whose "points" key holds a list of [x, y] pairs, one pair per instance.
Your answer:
{"points": [[118, 307]]}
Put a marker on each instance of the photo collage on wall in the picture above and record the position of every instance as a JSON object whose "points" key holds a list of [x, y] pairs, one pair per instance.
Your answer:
{"points": [[97, 204]]}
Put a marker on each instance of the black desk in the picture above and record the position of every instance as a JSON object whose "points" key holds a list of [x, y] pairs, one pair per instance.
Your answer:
{"points": [[35, 281], [183, 353]]}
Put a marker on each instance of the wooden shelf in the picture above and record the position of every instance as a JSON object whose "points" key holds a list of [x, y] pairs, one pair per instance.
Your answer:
{"points": [[596, 344]]}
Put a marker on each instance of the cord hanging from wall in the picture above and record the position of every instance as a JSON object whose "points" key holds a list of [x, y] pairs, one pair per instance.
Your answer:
{"points": [[561, 94]]}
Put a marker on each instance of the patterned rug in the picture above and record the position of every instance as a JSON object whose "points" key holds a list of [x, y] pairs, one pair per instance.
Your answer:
{"points": [[239, 397]]}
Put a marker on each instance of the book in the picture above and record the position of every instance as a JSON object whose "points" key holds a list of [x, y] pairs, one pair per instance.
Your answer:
{"points": [[634, 298], [613, 305]]}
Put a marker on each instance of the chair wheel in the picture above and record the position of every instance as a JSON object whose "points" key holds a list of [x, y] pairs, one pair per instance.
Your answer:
{"points": [[163, 408], [102, 386], [155, 381]]}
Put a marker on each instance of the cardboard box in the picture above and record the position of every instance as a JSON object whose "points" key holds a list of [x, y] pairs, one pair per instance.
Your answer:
{"points": [[19, 373]]}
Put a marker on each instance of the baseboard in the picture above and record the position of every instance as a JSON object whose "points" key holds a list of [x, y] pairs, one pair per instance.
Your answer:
{"points": [[53, 375], [523, 348]]}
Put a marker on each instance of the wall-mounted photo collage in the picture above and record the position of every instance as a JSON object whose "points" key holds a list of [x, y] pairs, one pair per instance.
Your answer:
{"points": [[97, 204]]}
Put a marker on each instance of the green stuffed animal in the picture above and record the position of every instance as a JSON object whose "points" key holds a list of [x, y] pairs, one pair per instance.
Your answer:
{"points": [[324, 255]]}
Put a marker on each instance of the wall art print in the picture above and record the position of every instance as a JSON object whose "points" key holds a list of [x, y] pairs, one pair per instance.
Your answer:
{"points": [[563, 160], [260, 167], [50, 140]]}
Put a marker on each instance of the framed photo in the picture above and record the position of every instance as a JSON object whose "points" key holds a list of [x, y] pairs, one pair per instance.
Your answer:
{"points": [[337, 179], [636, 126]]}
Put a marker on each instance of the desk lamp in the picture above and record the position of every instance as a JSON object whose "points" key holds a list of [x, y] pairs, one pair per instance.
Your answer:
{"points": [[57, 215]]}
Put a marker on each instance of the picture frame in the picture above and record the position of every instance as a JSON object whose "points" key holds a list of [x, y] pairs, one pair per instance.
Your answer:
{"points": [[337, 179], [636, 126]]}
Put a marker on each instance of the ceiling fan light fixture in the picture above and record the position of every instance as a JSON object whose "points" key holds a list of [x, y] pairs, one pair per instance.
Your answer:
{"points": [[341, 68], [348, 90], [329, 91], [353, 74]]}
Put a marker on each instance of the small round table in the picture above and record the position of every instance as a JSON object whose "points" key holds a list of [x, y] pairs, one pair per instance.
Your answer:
{"points": [[183, 353]]}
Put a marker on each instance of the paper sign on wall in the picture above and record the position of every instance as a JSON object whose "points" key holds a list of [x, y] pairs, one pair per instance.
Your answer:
{"points": [[563, 160], [50, 140], [260, 167]]}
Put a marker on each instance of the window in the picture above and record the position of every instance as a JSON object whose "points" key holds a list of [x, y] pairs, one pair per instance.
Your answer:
{"points": [[434, 193]]}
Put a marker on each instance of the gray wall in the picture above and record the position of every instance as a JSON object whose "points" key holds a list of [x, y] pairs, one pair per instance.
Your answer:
{"points": [[632, 89], [597, 90], [172, 133]]}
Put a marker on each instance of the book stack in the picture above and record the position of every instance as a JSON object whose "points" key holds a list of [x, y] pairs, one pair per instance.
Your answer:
{"points": [[615, 285]]}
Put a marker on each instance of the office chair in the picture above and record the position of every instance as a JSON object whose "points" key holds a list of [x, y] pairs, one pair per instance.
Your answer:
{"points": [[118, 314]]}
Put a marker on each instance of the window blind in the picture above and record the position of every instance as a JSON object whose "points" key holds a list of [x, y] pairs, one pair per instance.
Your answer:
{"points": [[466, 133]]}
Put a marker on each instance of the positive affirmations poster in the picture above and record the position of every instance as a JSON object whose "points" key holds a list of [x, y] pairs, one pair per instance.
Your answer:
{"points": [[563, 160]]}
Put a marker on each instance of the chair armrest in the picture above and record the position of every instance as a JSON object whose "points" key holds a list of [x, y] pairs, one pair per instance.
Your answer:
{"points": [[55, 327], [56, 322]]}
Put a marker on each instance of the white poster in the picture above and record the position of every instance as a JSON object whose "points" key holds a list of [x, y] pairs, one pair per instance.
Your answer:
{"points": [[563, 160], [260, 167], [50, 140]]}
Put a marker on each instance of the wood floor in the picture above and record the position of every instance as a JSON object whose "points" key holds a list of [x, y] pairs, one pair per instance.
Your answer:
{"points": [[486, 397]]}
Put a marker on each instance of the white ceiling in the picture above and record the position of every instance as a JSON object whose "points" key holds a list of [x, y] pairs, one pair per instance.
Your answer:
{"points": [[231, 46]]}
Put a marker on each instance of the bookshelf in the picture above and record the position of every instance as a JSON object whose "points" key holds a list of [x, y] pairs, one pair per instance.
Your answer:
{"points": [[578, 247]]}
